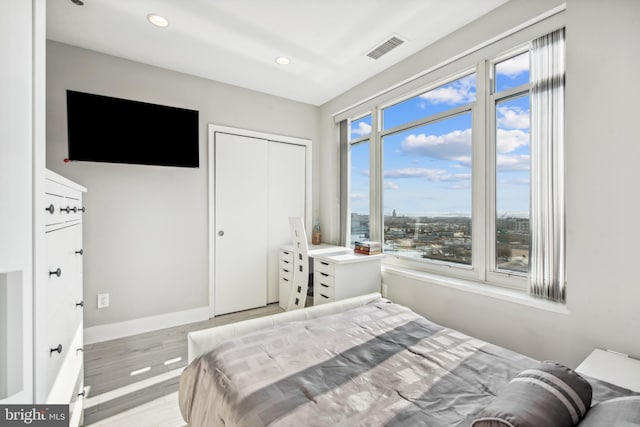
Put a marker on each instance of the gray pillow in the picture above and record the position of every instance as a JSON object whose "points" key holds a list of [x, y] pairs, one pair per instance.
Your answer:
{"points": [[548, 394], [623, 411]]}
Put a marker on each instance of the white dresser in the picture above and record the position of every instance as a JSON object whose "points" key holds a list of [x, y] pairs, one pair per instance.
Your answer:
{"points": [[58, 299], [338, 273]]}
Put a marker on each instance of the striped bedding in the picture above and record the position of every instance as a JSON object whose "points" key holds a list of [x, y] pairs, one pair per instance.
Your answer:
{"points": [[376, 365]]}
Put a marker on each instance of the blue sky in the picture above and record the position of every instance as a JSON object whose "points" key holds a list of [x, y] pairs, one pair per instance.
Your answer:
{"points": [[427, 170]]}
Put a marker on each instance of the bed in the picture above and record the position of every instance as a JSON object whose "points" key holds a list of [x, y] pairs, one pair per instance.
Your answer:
{"points": [[362, 361]]}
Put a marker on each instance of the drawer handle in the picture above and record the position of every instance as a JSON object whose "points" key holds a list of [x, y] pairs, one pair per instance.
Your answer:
{"points": [[285, 270], [58, 349], [285, 261], [67, 209], [286, 280], [80, 252], [81, 394], [326, 286], [324, 296], [50, 209], [82, 209], [58, 273], [80, 304], [324, 274], [74, 209], [324, 263]]}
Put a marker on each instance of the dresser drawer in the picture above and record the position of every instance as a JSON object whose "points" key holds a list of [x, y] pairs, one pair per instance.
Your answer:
{"points": [[324, 267], [62, 204], [61, 210]]}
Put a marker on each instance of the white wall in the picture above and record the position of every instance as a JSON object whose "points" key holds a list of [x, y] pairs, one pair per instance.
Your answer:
{"points": [[603, 227], [146, 227]]}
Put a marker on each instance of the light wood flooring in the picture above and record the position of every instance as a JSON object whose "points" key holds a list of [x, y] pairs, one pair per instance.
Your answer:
{"points": [[148, 398]]}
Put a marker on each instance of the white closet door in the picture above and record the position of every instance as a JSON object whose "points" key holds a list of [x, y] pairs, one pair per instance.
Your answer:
{"points": [[240, 269], [287, 185]]}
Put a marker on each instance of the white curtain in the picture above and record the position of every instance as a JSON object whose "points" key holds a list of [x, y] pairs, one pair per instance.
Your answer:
{"points": [[547, 275]]}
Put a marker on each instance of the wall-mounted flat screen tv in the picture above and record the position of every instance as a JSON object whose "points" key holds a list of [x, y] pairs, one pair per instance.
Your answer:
{"points": [[114, 130]]}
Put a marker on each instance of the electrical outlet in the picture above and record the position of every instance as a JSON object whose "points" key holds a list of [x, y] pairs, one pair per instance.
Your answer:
{"points": [[103, 300]]}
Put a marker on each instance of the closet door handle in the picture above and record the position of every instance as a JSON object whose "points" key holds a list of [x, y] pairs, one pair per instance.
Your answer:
{"points": [[80, 252], [80, 304], [50, 209], [75, 209], [58, 273], [82, 209], [67, 209], [58, 349]]}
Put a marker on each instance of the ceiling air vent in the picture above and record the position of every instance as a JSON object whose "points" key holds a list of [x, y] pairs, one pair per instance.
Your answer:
{"points": [[385, 47]]}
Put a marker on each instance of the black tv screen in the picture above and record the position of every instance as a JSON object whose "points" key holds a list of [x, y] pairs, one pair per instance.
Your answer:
{"points": [[114, 130]]}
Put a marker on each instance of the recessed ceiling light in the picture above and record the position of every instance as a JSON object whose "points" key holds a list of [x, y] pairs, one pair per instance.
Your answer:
{"points": [[157, 20], [283, 60]]}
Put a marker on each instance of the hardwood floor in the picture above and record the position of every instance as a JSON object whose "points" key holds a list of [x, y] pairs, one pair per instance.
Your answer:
{"points": [[133, 381]]}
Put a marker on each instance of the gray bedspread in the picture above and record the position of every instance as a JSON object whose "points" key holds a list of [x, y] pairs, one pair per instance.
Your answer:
{"points": [[376, 365]]}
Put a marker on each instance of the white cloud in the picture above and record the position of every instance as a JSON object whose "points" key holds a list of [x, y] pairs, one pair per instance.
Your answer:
{"points": [[434, 175], [513, 118], [514, 66], [359, 196], [390, 185], [520, 162], [510, 140], [461, 91], [362, 129], [454, 146]]}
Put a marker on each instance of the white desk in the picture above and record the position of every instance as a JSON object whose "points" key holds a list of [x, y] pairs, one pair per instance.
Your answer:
{"points": [[338, 273]]}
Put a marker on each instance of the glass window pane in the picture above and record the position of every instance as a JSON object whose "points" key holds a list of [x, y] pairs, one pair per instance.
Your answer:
{"points": [[427, 191], [443, 98], [512, 184], [512, 72], [360, 128], [360, 192]]}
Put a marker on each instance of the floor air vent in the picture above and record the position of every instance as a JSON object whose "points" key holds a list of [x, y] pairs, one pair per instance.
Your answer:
{"points": [[385, 47]]}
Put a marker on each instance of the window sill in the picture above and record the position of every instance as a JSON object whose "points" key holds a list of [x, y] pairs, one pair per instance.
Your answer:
{"points": [[479, 288]]}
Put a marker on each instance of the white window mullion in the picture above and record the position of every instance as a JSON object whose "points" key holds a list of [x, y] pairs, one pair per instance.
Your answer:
{"points": [[376, 179], [479, 168]]}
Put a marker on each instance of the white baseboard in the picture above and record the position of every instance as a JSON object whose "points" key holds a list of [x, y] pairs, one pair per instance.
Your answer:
{"points": [[127, 328]]}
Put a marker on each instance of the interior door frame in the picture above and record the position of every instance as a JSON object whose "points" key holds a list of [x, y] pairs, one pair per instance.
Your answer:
{"points": [[213, 129]]}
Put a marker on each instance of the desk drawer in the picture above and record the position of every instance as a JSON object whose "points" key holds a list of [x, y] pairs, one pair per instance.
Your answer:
{"points": [[286, 265], [286, 255], [324, 267], [324, 278], [324, 290], [318, 299]]}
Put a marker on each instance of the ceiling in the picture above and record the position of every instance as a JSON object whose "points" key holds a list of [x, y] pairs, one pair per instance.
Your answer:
{"points": [[237, 41]]}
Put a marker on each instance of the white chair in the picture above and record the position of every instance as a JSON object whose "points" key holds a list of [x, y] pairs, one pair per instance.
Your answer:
{"points": [[300, 285]]}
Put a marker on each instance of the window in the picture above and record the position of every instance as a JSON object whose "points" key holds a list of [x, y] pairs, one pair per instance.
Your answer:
{"points": [[511, 111], [446, 173], [359, 164]]}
